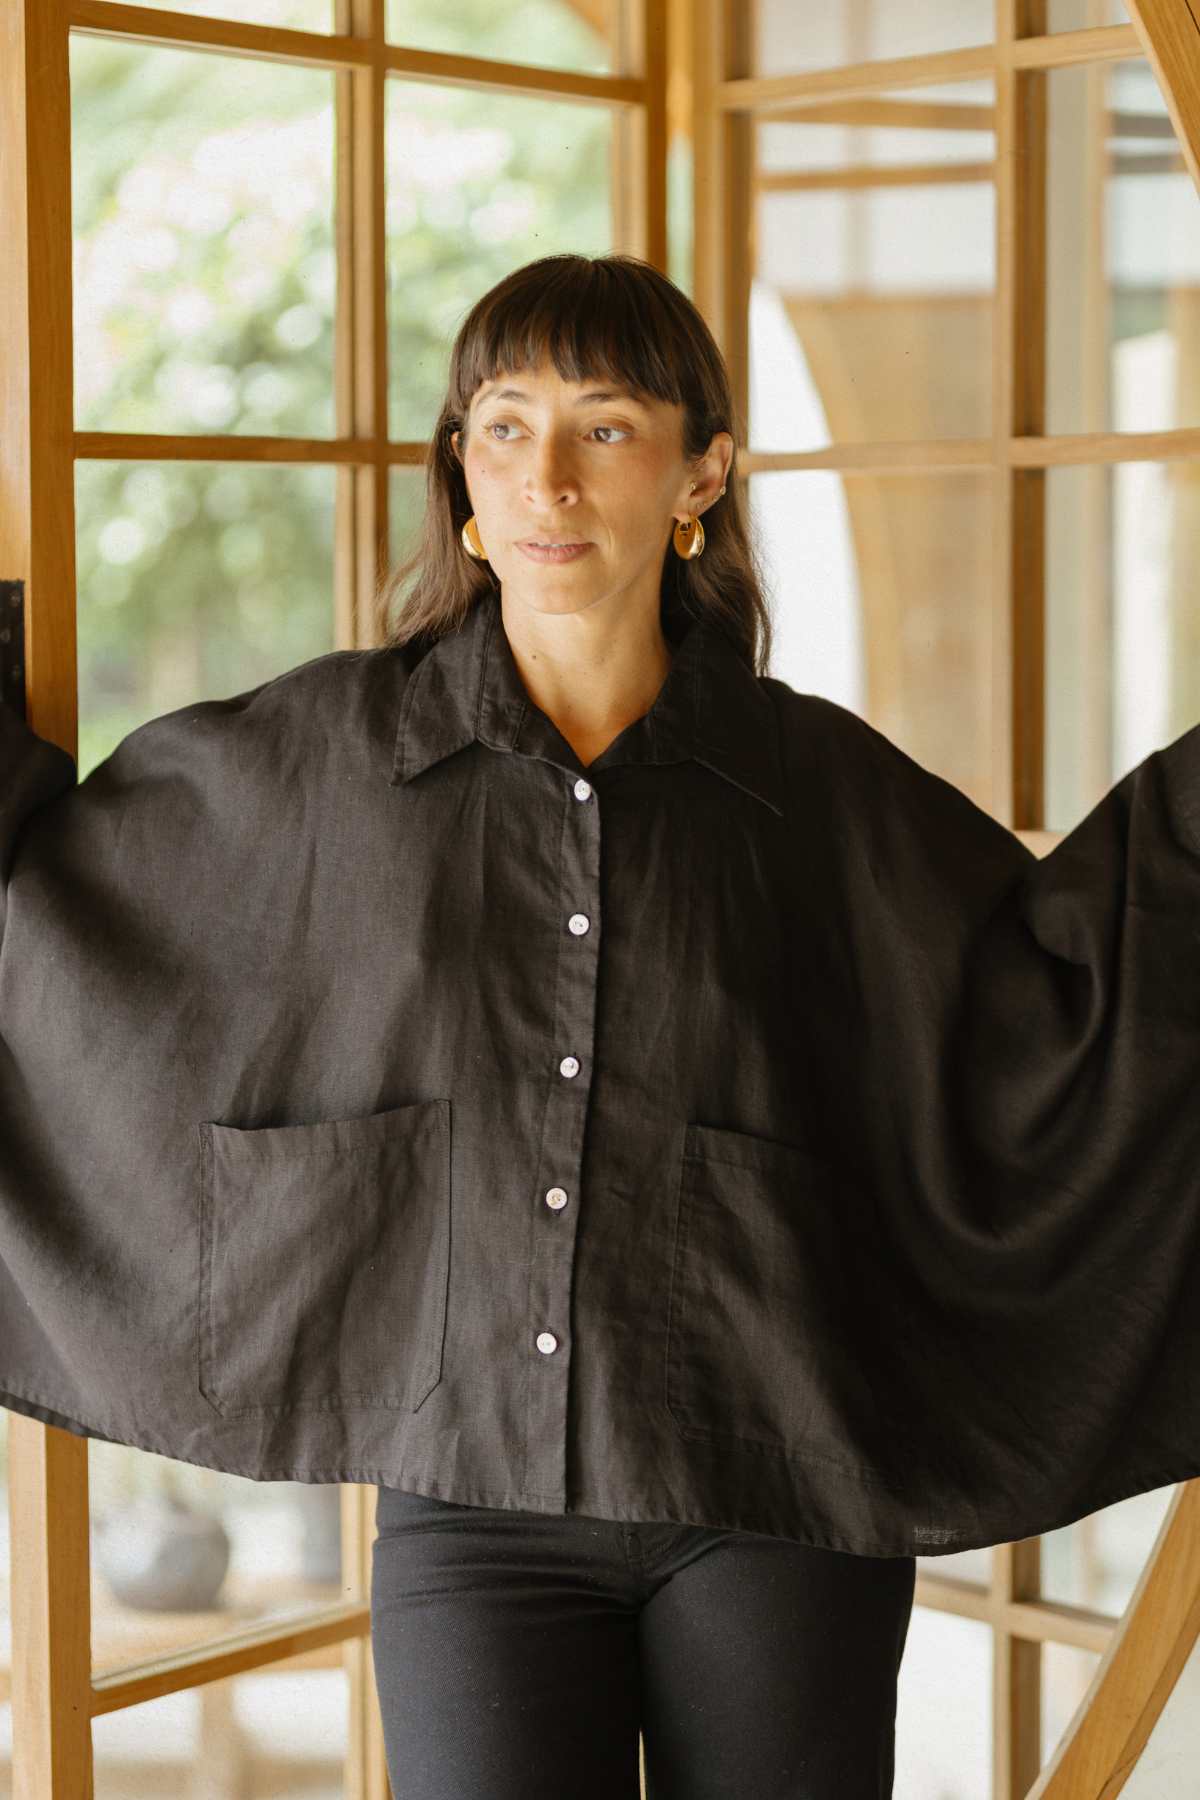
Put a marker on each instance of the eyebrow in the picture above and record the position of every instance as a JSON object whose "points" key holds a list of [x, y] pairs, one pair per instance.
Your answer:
{"points": [[583, 400]]}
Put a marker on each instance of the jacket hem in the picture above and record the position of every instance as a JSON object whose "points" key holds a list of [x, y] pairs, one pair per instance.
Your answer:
{"points": [[908, 1542]]}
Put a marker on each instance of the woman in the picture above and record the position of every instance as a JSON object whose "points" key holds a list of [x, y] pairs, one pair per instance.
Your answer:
{"points": [[516, 1652], [685, 1154]]}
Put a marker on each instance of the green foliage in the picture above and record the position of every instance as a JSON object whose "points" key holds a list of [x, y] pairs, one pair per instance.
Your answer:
{"points": [[205, 286]]}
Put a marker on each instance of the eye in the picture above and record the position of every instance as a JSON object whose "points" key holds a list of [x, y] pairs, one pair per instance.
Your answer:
{"points": [[495, 425]]}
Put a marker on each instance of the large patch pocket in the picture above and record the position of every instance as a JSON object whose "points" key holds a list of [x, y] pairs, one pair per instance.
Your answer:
{"points": [[325, 1257], [764, 1309]]}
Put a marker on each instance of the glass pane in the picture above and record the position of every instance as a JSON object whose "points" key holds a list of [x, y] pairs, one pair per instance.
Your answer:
{"points": [[282, 1733], [301, 15], [407, 507], [790, 38], [1122, 256], [1079, 15], [478, 184], [1097, 1561], [204, 269], [182, 1555], [1168, 1764], [1066, 1677], [944, 1709], [872, 298], [880, 587], [195, 581], [557, 34], [1122, 626], [681, 258], [974, 1566]]}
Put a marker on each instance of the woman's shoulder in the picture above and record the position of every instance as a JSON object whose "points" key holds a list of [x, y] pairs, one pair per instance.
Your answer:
{"points": [[338, 694], [815, 728], [873, 784]]}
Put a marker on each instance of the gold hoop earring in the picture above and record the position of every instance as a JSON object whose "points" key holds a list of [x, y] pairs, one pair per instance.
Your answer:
{"points": [[688, 538], [472, 542]]}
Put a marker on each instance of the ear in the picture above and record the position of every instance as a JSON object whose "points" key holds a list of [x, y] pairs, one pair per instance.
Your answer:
{"points": [[454, 437], [710, 474]]}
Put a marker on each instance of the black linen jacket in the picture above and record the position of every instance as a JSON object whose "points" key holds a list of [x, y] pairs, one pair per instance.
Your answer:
{"points": [[745, 1130]]}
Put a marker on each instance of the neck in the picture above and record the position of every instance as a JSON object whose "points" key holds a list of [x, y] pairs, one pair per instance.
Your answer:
{"points": [[590, 675]]}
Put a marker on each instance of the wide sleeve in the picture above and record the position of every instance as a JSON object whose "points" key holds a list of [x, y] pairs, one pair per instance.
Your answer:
{"points": [[1015, 1071], [141, 921]]}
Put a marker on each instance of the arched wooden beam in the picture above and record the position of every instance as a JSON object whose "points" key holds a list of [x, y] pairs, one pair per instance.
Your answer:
{"points": [[1137, 1672], [1170, 35], [596, 13], [1145, 1656]]}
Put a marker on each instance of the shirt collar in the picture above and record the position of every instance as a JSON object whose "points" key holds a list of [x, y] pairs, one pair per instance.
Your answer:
{"points": [[711, 707]]}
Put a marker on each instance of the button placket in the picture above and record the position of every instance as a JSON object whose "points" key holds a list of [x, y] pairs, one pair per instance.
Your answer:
{"points": [[557, 1190]]}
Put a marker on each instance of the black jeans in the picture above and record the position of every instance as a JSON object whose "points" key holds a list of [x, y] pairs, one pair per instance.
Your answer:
{"points": [[520, 1653]]}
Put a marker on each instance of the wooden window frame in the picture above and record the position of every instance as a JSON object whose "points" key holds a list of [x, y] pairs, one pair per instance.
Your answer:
{"points": [[54, 1693], [1143, 1652], [713, 93]]}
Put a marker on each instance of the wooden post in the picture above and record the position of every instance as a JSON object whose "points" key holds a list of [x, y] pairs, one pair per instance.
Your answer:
{"points": [[50, 1573], [48, 1491]]}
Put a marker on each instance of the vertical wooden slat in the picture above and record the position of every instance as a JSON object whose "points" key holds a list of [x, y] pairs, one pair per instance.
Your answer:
{"points": [[345, 338], [355, 526], [723, 233], [653, 132], [625, 193], [1018, 642], [1019, 409], [47, 1468], [1183, 487], [50, 1573], [1004, 313], [1016, 1674], [37, 499], [680, 120], [366, 1766], [739, 222], [639, 166], [705, 48], [1093, 523], [1027, 596], [361, 557], [362, 547]]}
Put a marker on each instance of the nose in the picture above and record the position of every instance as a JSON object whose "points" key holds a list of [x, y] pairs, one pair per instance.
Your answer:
{"points": [[550, 478]]}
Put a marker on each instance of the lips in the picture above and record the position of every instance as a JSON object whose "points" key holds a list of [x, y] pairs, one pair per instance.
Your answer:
{"points": [[553, 550]]}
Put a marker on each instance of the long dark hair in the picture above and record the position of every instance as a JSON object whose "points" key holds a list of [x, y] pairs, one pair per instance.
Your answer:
{"points": [[614, 317]]}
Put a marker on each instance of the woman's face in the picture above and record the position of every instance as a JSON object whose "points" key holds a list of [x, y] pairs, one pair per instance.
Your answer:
{"points": [[561, 463]]}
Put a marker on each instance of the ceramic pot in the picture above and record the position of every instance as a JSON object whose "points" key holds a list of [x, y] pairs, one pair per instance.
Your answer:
{"points": [[159, 1554]]}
